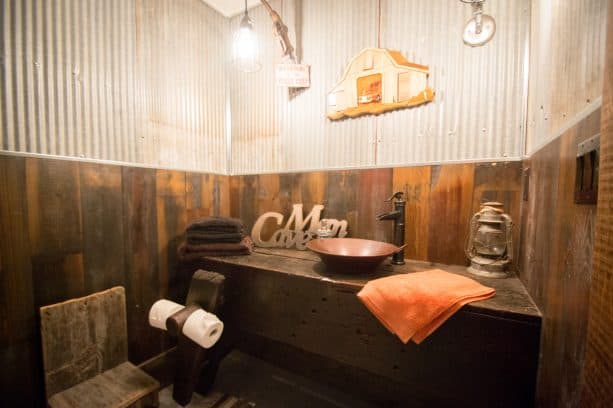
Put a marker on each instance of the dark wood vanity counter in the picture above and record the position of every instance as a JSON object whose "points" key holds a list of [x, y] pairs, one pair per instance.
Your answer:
{"points": [[511, 300], [292, 311]]}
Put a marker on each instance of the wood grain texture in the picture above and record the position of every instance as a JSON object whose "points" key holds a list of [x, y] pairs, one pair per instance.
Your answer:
{"points": [[82, 338], [500, 182], [285, 300], [56, 229], [206, 195], [555, 263], [269, 198], [121, 386], [375, 186], [450, 210], [249, 200], [54, 206], [17, 313], [68, 227], [103, 241], [342, 198], [58, 277], [440, 201], [415, 182], [18, 351], [171, 222], [141, 260], [21, 373], [599, 355]]}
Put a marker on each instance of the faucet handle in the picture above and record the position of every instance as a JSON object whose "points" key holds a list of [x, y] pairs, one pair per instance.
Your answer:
{"points": [[397, 195]]}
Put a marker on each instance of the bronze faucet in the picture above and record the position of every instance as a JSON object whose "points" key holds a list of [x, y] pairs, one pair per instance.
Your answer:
{"points": [[398, 216]]}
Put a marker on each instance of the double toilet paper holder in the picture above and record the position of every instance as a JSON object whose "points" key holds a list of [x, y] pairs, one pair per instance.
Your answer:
{"points": [[200, 345], [202, 327]]}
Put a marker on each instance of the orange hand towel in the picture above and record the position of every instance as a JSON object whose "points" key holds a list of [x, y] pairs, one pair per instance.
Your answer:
{"points": [[413, 305]]}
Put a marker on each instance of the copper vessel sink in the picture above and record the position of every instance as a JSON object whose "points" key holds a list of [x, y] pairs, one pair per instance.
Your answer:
{"points": [[351, 255]]}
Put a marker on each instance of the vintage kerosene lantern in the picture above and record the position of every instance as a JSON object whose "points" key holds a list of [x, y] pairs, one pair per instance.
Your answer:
{"points": [[489, 245]]}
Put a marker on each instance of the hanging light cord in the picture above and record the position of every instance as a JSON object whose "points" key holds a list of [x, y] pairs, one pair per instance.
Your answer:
{"points": [[280, 30]]}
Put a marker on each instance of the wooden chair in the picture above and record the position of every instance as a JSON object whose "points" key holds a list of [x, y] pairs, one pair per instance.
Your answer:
{"points": [[85, 355]]}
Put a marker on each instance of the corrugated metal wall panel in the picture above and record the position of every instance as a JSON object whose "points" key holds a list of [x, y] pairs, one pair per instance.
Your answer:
{"points": [[182, 80], [133, 81], [478, 112], [273, 132], [566, 65]]}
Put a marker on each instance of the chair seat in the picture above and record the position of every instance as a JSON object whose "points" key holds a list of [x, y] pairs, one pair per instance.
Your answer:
{"points": [[121, 386]]}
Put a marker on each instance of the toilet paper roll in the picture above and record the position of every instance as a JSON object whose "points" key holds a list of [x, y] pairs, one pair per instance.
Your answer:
{"points": [[203, 328], [160, 311]]}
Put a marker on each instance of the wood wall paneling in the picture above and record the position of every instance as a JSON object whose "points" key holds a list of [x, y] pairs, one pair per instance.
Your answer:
{"points": [[440, 201], [555, 261], [141, 260], [500, 182], [451, 204], [17, 312], [18, 349], [599, 355], [69, 228], [374, 187], [312, 188], [56, 229], [206, 195], [170, 190], [248, 200], [415, 182], [342, 198], [103, 241], [221, 196], [270, 197]]}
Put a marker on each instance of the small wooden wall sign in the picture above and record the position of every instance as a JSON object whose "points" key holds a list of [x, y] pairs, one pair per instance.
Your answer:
{"points": [[295, 231], [379, 80]]}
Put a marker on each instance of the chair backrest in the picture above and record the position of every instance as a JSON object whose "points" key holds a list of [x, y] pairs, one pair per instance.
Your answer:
{"points": [[83, 337]]}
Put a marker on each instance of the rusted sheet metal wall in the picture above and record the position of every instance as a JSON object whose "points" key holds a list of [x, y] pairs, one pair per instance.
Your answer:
{"points": [[478, 113], [135, 81], [566, 66]]}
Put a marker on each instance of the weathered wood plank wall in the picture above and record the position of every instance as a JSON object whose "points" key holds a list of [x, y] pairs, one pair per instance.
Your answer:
{"points": [[69, 228], [440, 201], [599, 353], [555, 262]]}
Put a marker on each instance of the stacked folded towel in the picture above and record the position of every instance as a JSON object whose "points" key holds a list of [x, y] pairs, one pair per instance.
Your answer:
{"points": [[214, 236], [414, 305]]}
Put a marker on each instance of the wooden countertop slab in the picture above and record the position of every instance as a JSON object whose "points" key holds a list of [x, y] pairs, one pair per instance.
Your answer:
{"points": [[510, 302]]}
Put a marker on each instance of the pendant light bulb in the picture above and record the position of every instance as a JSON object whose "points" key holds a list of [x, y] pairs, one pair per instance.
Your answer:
{"points": [[245, 46]]}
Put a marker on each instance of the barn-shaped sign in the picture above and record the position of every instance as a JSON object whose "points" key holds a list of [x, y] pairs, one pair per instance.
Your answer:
{"points": [[378, 80]]}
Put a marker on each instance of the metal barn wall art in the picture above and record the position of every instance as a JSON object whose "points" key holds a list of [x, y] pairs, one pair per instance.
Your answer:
{"points": [[379, 80]]}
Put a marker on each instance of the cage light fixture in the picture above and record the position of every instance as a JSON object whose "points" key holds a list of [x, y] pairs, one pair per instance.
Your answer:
{"points": [[245, 49]]}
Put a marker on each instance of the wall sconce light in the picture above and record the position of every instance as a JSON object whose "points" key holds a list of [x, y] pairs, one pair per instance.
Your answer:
{"points": [[479, 29]]}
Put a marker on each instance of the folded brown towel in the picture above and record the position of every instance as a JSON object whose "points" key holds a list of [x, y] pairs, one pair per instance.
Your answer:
{"points": [[198, 237], [216, 224], [188, 252]]}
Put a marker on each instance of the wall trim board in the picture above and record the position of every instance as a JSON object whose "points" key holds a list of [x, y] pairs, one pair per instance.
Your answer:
{"points": [[388, 166], [579, 117], [150, 166], [109, 162]]}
